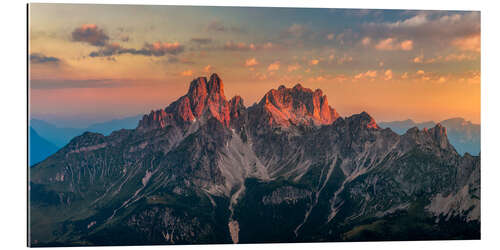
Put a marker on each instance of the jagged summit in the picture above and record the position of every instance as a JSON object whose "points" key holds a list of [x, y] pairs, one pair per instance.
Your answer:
{"points": [[364, 120], [436, 134], [279, 107], [298, 105], [204, 99]]}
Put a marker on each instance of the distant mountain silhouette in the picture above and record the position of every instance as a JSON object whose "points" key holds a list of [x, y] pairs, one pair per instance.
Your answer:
{"points": [[57, 135], [60, 136], [39, 148], [107, 127], [464, 135]]}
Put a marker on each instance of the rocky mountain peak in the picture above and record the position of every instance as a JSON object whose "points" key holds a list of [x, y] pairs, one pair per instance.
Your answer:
{"points": [[204, 98], [364, 120], [438, 133], [236, 104], [215, 85], [297, 105]]}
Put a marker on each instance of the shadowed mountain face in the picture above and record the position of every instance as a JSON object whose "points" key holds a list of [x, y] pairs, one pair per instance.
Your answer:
{"points": [[463, 135], [287, 169]]}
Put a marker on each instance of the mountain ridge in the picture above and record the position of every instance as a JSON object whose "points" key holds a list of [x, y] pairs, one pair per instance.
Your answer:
{"points": [[464, 135], [209, 170]]}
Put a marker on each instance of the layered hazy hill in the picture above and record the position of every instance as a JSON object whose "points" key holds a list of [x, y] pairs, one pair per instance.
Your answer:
{"points": [[39, 147], [464, 135], [207, 169], [55, 137]]}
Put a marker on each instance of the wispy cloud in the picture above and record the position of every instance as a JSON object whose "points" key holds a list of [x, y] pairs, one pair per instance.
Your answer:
{"points": [[388, 74], [274, 66], [187, 73], [366, 41], [251, 62], [91, 34], [207, 69], [443, 29], [200, 40], [314, 62], [74, 83], [242, 46], [293, 67], [41, 58], [468, 43], [296, 30], [218, 26], [367, 74], [453, 57], [149, 49], [393, 44]]}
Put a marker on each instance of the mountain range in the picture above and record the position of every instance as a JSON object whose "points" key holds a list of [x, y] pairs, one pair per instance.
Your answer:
{"points": [[287, 169], [59, 136], [464, 135]]}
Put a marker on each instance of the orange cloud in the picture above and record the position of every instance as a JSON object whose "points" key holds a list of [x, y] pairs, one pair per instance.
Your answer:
{"points": [[366, 41], [267, 45], [274, 66], [469, 43], [187, 73], [367, 74], [388, 74], [317, 79], [207, 69], [419, 59], [314, 62], [161, 48], [241, 46], [460, 57], [407, 45], [251, 62], [449, 58], [344, 59], [260, 76], [293, 67], [394, 44]]}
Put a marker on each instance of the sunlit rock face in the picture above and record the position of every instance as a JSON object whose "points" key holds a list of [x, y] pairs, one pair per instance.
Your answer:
{"points": [[205, 99], [297, 105]]}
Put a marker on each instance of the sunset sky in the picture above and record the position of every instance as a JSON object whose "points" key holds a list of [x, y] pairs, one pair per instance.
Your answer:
{"points": [[93, 63]]}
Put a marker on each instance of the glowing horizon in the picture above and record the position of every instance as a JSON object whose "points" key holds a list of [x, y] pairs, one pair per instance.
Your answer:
{"points": [[121, 60]]}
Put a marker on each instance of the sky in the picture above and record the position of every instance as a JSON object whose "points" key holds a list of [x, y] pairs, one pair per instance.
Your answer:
{"points": [[91, 63]]}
